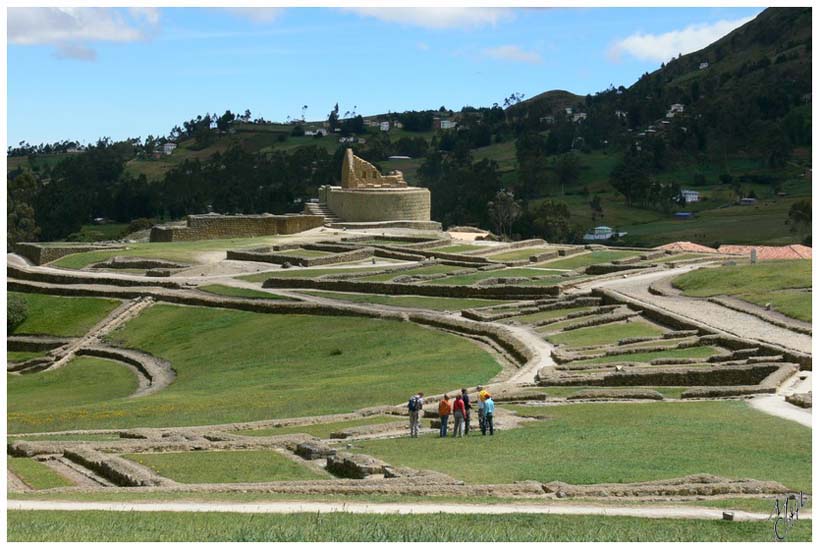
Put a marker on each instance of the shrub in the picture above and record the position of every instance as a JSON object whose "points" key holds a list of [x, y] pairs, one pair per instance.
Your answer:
{"points": [[140, 224], [17, 311]]}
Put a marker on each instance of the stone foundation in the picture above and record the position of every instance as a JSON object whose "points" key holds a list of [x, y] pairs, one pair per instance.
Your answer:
{"points": [[214, 226], [377, 205]]}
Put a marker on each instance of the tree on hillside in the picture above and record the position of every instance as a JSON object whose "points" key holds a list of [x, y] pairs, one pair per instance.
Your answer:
{"points": [[597, 209], [567, 169], [20, 220], [549, 220], [224, 122], [799, 220], [333, 117], [504, 211]]}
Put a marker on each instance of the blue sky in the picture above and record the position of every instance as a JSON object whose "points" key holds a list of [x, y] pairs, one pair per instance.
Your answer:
{"points": [[92, 72]]}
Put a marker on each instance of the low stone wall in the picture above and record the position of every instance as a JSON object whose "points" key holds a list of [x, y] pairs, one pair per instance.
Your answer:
{"points": [[208, 226], [135, 262], [604, 269], [256, 255], [77, 278], [495, 313], [608, 395], [694, 485], [354, 466], [736, 375], [509, 291], [678, 322], [800, 400], [115, 469], [27, 342], [43, 253], [313, 450]]}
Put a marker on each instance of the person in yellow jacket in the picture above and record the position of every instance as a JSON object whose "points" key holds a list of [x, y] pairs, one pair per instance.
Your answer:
{"points": [[482, 396]]}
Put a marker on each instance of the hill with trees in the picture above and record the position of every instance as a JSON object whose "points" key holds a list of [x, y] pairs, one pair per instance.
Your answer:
{"points": [[730, 121]]}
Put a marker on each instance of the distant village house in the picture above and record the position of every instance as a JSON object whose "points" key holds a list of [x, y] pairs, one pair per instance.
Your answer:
{"points": [[689, 195]]}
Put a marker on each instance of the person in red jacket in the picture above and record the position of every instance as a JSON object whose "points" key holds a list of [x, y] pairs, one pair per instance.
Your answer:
{"points": [[459, 413]]}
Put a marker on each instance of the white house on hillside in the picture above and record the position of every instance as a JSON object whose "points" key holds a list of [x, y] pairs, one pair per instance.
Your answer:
{"points": [[602, 233], [674, 109], [703, 65], [384, 126], [690, 195], [577, 117], [168, 148]]}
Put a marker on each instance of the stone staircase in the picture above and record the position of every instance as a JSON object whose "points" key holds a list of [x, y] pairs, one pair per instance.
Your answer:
{"points": [[321, 209]]}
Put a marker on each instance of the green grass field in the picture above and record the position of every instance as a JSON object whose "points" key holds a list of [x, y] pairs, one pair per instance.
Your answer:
{"points": [[434, 269], [779, 283], [460, 248], [100, 232], [423, 302], [36, 474], [518, 254], [307, 273], [322, 430], [275, 366], [619, 442], [225, 466], [78, 386], [181, 251], [547, 315], [225, 290], [605, 334], [473, 278], [588, 259], [96, 526], [62, 315], [18, 356]]}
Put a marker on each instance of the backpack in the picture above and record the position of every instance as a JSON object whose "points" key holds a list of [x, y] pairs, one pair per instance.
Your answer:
{"points": [[413, 404]]}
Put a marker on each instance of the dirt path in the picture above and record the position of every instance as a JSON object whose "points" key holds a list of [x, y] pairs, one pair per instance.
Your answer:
{"points": [[711, 314], [668, 511]]}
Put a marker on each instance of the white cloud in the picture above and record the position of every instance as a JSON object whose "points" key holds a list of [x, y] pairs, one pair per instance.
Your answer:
{"points": [[257, 15], [439, 18], [663, 47], [423, 46], [511, 52], [58, 25], [75, 51]]}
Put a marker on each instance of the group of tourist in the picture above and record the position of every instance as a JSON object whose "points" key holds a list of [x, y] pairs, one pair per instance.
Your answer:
{"points": [[460, 407]]}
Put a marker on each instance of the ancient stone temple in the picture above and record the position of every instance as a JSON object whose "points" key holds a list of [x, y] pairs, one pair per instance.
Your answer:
{"points": [[368, 196]]}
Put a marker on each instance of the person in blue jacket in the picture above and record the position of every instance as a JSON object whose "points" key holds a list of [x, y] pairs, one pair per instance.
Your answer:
{"points": [[489, 411]]}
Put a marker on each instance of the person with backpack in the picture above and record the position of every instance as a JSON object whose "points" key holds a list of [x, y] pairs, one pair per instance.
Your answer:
{"points": [[415, 406], [489, 411], [459, 412], [467, 407], [444, 410]]}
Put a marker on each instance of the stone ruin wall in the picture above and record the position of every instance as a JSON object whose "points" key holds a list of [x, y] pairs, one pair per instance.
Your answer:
{"points": [[358, 173], [375, 205], [43, 253], [202, 227]]}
